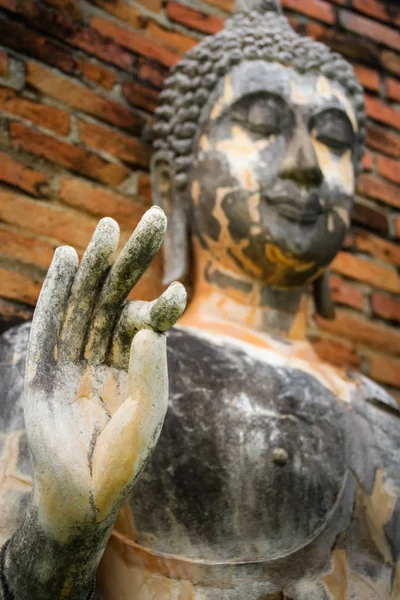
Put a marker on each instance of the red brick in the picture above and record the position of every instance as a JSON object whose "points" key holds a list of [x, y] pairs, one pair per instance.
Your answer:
{"points": [[75, 34], [20, 38], [17, 286], [72, 157], [369, 28], [9, 5], [368, 161], [226, 5], [79, 97], [389, 168], [175, 41], [126, 148], [93, 43], [383, 140], [97, 73], [19, 175], [29, 250], [134, 41], [152, 73], [316, 9], [122, 11], [370, 216], [375, 188], [367, 271], [194, 18], [69, 7], [339, 353], [355, 327], [46, 116], [3, 64], [345, 293], [144, 187], [377, 10], [355, 48], [384, 369], [140, 95], [12, 314], [368, 77], [393, 89], [390, 61], [60, 223], [101, 202], [382, 249], [378, 110], [153, 5], [386, 307]]}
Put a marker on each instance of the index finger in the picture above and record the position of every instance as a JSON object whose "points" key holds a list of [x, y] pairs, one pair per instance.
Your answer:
{"points": [[134, 259]]}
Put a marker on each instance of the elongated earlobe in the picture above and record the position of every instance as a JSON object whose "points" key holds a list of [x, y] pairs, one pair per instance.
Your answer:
{"points": [[322, 296], [166, 196]]}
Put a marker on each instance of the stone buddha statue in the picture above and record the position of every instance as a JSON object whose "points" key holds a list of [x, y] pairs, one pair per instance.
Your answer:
{"points": [[265, 473]]}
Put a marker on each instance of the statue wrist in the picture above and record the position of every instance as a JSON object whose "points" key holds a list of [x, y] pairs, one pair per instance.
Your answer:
{"points": [[5, 593], [32, 552]]}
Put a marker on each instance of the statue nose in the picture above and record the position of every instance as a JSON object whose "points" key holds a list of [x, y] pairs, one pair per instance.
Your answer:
{"points": [[300, 163]]}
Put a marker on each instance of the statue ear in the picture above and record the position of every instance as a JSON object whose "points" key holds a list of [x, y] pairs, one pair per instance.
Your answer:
{"points": [[166, 196], [322, 296]]}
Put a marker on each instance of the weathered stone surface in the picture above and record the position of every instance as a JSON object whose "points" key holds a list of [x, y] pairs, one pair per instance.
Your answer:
{"points": [[240, 436]]}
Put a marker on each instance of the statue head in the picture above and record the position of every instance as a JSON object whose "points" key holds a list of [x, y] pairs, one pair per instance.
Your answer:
{"points": [[257, 140]]}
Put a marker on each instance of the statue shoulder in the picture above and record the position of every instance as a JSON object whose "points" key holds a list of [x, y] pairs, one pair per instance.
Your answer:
{"points": [[14, 455], [375, 395], [14, 342], [13, 345]]}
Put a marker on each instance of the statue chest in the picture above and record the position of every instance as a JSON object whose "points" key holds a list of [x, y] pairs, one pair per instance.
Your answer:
{"points": [[250, 462]]}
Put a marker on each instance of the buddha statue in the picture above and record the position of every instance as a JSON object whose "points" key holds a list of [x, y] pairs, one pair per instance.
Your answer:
{"points": [[265, 473]]}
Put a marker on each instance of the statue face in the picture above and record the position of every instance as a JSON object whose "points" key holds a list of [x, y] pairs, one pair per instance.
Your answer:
{"points": [[272, 182]]}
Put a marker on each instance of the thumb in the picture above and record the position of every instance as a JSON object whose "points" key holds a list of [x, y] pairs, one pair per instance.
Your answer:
{"points": [[148, 377], [128, 440]]}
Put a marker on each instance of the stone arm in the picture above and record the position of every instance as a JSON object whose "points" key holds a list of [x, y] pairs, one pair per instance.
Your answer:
{"points": [[96, 391]]}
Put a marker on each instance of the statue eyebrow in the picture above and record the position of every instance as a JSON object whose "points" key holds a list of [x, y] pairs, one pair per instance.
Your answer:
{"points": [[251, 98], [260, 77], [262, 95]]}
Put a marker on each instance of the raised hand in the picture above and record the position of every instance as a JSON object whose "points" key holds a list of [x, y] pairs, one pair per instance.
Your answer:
{"points": [[95, 399]]}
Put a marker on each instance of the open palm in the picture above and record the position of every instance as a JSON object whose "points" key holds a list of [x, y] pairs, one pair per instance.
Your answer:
{"points": [[95, 400]]}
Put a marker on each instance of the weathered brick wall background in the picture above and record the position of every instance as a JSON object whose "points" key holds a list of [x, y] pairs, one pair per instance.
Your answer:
{"points": [[79, 80]]}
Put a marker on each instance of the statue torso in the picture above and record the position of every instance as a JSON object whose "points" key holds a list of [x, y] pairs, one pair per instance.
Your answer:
{"points": [[251, 458], [266, 479]]}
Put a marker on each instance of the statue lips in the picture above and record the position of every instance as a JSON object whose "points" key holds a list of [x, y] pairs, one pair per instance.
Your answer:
{"points": [[292, 205]]}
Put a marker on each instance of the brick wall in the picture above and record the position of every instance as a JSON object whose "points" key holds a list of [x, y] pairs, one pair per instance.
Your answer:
{"points": [[79, 81]]}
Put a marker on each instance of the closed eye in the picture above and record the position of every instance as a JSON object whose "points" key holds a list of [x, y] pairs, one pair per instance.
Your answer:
{"points": [[333, 128]]}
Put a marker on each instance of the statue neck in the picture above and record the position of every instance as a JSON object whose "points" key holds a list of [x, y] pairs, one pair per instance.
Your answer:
{"points": [[236, 300]]}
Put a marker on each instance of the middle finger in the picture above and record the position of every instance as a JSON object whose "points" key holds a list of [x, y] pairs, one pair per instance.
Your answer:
{"points": [[134, 259]]}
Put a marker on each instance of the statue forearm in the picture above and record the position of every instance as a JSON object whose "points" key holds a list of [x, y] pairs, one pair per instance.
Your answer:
{"points": [[37, 567]]}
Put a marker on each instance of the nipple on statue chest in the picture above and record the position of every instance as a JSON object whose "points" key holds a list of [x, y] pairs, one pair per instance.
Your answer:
{"points": [[280, 457]]}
